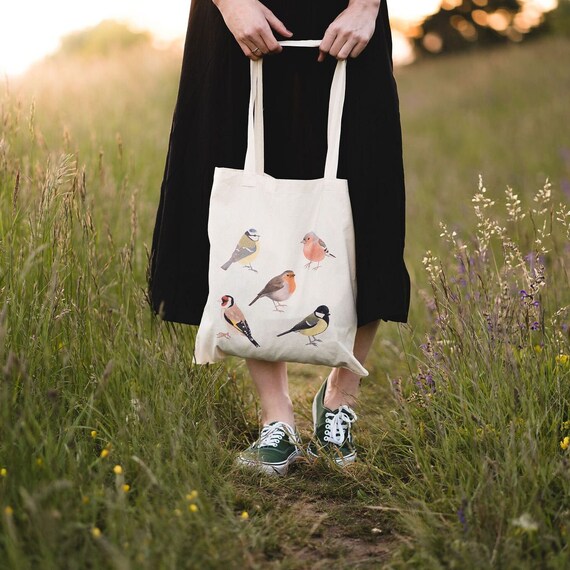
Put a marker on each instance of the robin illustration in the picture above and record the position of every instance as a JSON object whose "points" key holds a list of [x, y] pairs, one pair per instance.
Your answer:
{"points": [[246, 250], [312, 325], [235, 319], [278, 289], [315, 249]]}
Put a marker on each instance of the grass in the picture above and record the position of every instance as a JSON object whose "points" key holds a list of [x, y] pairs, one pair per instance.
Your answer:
{"points": [[461, 423]]}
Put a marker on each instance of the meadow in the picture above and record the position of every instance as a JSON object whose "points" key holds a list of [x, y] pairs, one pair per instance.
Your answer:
{"points": [[116, 451]]}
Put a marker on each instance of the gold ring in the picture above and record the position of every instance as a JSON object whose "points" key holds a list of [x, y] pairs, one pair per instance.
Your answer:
{"points": [[256, 49]]}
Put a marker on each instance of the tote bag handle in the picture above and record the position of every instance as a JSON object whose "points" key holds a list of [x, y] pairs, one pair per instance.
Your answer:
{"points": [[255, 155]]}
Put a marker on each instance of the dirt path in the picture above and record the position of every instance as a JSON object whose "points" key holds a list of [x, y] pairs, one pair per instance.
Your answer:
{"points": [[320, 517]]}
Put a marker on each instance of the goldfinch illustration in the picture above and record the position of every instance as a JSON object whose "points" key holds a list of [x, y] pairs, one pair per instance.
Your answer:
{"points": [[312, 325], [235, 319], [315, 249], [278, 289], [246, 250]]}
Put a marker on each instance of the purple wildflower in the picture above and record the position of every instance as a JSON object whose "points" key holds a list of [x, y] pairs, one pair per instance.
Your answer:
{"points": [[461, 515]]}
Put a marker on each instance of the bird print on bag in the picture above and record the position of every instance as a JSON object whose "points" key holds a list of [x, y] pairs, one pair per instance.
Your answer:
{"points": [[278, 289], [246, 250], [312, 325], [315, 249], [235, 320]]}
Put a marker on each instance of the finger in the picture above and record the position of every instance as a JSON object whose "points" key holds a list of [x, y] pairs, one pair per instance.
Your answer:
{"points": [[276, 23], [259, 42], [358, 49], [267, 37], [248, 48], [325, 45], [328, 39], [337, 45], [346, 49]]}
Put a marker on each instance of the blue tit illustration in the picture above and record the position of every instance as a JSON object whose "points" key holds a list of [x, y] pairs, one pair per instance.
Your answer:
{"points": [[246, 250]]}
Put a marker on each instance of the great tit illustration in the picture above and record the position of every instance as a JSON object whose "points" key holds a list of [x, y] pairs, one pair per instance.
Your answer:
{"points": [[312, 325]]}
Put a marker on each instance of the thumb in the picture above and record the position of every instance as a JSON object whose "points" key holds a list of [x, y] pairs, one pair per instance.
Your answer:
{"points": [[276, 23]]}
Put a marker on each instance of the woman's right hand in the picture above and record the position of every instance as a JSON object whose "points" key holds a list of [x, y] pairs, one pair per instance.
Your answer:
{"points": [[251, 22]]}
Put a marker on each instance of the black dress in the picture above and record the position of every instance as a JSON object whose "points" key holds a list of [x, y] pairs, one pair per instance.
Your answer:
{"points": [[209, 129]]}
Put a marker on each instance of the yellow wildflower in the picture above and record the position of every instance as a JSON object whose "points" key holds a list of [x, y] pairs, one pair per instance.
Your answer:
{"points": [[192, 508], [538, 348], [192, 495], [9, 511], [104, 453], [177, 512], [96, 532], [93, 433], [85, 500], [565, 443], [244, 515], [3, 472], [566, 424], [39, 462], [563, 359], [117, 469], [126, 488]]}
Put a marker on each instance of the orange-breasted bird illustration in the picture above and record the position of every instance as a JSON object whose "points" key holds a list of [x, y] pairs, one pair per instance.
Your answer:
{"points": [[312, 325], [246, 250], [315, 249], [235, 319], [278, 289]]}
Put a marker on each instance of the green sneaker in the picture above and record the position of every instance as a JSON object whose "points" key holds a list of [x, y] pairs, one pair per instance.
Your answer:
{"points": [[274, 451], [332, 430]]}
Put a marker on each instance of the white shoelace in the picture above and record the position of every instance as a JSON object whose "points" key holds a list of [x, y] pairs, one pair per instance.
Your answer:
{"points": [[271, 435], [337, 424]]}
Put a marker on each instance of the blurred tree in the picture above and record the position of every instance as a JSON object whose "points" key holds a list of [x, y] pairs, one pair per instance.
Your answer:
{"points": [[461, 24], [105, 38], [559, 20]]}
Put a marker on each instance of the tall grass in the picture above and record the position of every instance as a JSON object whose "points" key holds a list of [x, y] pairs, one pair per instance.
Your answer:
{"points": [[474, 451], [89, 382]]}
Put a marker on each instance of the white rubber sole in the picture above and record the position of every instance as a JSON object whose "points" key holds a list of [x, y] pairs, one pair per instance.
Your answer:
{"points": [[279, 469]]}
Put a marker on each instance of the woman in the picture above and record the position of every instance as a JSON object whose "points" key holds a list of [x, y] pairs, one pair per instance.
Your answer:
{"points": [[210, 129]]}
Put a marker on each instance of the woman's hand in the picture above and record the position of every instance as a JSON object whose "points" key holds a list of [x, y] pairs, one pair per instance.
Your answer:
{"points": [[251, 22], [351, 30]]}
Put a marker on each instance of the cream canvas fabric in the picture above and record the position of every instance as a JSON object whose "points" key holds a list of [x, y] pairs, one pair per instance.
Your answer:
{"points": [[282, 282]]}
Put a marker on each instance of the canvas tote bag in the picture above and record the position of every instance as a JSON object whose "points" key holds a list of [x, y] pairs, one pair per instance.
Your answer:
{"points": [[282, 283]]}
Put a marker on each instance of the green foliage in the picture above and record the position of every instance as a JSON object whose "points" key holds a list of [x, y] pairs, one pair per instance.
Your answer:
{"points": [[469, 23], [559, 19], [105, 38]]}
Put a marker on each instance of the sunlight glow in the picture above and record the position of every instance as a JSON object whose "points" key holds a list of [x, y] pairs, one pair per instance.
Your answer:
{"points": [[30, 29]]}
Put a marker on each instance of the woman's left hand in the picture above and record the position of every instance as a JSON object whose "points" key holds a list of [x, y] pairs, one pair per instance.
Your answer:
{"points": [[351, 30]]}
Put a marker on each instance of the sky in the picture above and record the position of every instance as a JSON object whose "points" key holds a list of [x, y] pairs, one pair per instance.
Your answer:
{"points": [[30, 29]]}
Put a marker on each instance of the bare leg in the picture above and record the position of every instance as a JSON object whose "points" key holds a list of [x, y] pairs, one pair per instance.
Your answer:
{"points": [[343, 385], [272, 385]]}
